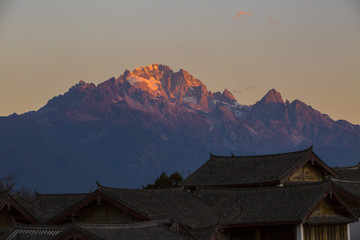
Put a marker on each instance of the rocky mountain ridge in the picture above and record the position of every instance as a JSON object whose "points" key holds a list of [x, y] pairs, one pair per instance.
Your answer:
{"points": [[152, 119]]}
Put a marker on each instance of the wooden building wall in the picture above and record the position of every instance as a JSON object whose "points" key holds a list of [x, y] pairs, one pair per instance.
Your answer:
{"points": [[308, 173], [5, 218], [6, 215], [288, 232], [329, 207], [329, 232]]}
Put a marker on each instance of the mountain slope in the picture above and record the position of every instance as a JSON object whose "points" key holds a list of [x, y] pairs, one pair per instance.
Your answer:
{"points": [[129, 129]]}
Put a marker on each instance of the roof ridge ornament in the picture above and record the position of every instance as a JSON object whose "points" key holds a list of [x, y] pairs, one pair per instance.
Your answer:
{"points": [[98, 185]]}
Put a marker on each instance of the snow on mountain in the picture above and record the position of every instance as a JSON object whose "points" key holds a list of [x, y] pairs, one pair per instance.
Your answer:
{"points": [[152, 83]]}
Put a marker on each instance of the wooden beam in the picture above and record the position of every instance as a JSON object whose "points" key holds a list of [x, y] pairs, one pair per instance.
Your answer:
{"points": [[94, 197], [12, 202], [57, 219]]}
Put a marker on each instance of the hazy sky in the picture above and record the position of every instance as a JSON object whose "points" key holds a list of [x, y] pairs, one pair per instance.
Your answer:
{"points": [[307, 50]]}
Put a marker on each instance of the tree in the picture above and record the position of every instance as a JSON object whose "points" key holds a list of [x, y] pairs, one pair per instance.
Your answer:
{"points": [[8, 182], [164, 181]]}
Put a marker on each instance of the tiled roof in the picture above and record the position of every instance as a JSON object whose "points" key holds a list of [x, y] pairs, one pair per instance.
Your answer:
{"points": [[350, 187], [246, 170], [40, 215], [287, 204], [136, 231], [145, 230], [166, 204], [18, 203], [356, 211], [349, 173], [320, 220], [45, 206], [207, 233], [32, 232]]}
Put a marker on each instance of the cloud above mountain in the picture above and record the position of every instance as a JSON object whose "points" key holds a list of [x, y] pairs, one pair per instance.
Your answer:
{"points": [[242, 13], [271, 20]]}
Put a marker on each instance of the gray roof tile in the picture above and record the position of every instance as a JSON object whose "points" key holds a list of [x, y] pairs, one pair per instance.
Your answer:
{"points": [[349, 173], [166, 204], [290, 203], [32, 232], [245, 170], [46, 206], [136, 231]]}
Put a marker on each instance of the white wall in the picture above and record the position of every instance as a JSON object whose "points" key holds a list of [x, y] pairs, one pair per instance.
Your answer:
{"points": [[355, 231], [299, 232]]}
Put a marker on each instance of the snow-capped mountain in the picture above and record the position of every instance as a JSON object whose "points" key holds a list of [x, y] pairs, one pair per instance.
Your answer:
{"points": [[152, 119]]}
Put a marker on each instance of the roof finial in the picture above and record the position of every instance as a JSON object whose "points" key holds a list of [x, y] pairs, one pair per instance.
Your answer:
{"points": [[98, 184], [211, 155], [232, 155]]}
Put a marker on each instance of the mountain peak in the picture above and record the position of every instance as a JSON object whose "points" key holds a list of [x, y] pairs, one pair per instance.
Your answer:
{"points": [[229, 95], [151, 68], [272, 96]]}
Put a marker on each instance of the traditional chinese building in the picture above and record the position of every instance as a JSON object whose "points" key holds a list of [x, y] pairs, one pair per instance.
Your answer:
{"points": [[288, 196], [279, 196]]}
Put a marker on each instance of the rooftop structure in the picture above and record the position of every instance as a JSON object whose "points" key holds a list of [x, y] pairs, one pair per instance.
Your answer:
{"points": [[291, 195]]}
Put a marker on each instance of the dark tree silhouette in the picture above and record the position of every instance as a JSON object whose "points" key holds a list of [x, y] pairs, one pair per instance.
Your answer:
{"points": [[8, 182], [164, 181]]}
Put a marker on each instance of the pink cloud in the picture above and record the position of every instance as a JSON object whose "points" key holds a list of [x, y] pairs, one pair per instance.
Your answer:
{"points": [[272, 20], [242, 13]]}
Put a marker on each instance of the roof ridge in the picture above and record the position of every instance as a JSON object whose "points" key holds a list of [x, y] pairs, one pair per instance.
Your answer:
{"points": [[318, 199], [209, 203], [345, 180], [197, 170], [57, 194], [262, 155], [123, 225], [127, 204], [267, 188], [309, 151], [355, 167], [18, 225], [137, 189], [17, 198]]}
